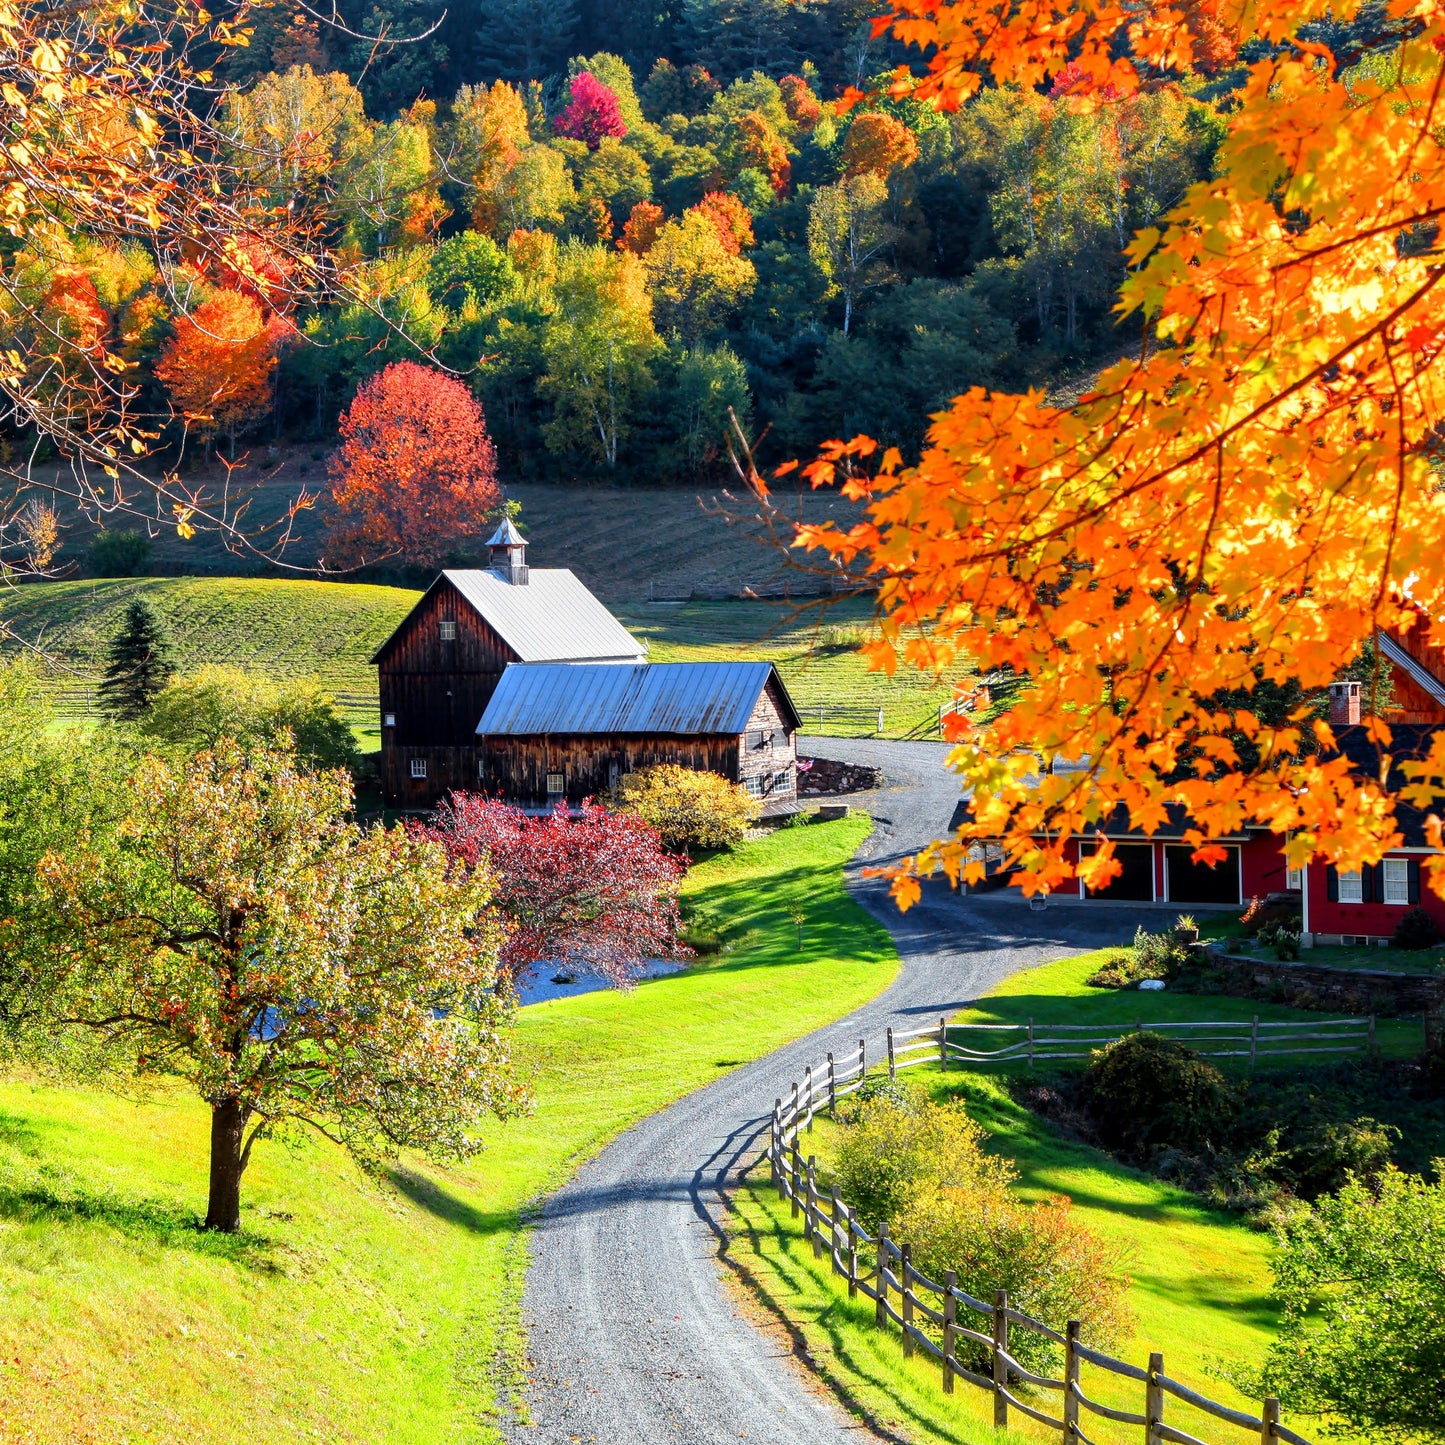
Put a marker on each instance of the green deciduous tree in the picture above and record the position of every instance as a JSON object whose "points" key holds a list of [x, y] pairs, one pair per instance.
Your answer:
{"points": [[848, 236], [696, 279], [296, 970], [139, 662]]}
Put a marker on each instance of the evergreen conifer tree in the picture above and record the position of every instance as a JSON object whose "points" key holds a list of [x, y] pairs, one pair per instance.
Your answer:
{"points": [[524, 40], [140, 663]]}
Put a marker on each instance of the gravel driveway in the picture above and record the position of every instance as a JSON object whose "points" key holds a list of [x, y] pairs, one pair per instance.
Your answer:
{"points": [[634, 1338]]}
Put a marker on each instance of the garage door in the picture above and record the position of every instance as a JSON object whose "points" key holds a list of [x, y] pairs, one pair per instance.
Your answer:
{"points": [[1191, 882], [1135, 883]]}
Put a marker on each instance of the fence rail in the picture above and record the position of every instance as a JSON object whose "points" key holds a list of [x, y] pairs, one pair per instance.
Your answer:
{"points": [[970, 1338], [81, 700], [822, 713]]}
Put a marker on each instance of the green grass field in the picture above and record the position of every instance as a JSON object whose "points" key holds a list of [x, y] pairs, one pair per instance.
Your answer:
{"points": [[1200, 1277], [329, 630], [348, 1312]]}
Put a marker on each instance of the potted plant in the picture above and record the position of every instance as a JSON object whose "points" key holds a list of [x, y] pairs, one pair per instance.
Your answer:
{"points": [[1186, 930]]}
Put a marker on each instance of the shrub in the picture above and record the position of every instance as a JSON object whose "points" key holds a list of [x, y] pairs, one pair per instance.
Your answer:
{"points": [[1361, 1278], [119, 554], [1157, 955], [1119, 970], [1151, 1093], [1415, 930], [689, 809], [904, 1145], [1053, 1267]]}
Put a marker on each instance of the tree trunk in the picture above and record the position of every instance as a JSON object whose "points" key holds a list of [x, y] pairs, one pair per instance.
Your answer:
{"points": [[228, 1127]]}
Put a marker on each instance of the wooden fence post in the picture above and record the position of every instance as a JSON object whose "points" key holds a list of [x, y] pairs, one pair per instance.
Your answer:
{"points": [[1269, 1420], [1253, 1041], [1154, 1402], [880, 1309], [797, 1176], [950, 1328], [795, 1111], [1071, 1382], [905, 1267], [862, 1060], [892, 1065], [832, 1089], [880, 720], [943, 1043], [1372, 1036], [1000, 1370], [839, 1212], [1031, 1041], [812, 1231], [775, 1147], [852, 1254], [808, 1086]]}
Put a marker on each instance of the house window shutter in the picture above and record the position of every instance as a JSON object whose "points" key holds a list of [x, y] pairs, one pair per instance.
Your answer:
{"points": [[1414, 880], [1332, 883], [1367, 883]]}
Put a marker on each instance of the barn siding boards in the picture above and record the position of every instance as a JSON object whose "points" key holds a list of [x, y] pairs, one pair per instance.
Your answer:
{"points": [[516, 768], [769, 745]]}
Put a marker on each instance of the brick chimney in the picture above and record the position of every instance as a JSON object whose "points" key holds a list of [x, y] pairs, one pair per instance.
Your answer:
{"points": [[1344, 703]]}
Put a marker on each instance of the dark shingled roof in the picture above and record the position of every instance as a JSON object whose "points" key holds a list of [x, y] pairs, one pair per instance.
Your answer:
{"points": [[535, 698]]}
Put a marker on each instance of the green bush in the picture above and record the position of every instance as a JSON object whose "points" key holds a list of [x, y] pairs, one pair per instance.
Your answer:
{"points": [[119, 554], [689, 809], [1415, 930], [1150, 1093], [1124, 970], [903, 1145], [1053, 1267], [1361, 1279]]}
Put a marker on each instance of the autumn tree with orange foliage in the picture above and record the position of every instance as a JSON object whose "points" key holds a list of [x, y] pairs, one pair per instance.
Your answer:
{"points": [[416, 474], [643, 224], [1247, 497], [733, 220], [217, 366], [877, 144]]}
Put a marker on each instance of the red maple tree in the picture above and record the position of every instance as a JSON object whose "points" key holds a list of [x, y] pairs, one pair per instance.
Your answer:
{"points": [[416, 473], [642, 227], [732, 218], [592, 113], [594, 891]]}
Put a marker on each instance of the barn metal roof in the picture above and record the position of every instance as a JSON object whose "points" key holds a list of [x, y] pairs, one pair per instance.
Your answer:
{"points": [[664, 697], [552, 617]]}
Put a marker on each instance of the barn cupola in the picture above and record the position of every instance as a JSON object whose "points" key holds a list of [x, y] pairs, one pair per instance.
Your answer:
{"points": [[507, 553]]}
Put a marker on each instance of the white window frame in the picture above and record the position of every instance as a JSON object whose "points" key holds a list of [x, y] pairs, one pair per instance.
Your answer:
{"points": [[1294, 877], [1399, 882], [418, 768], [1355, 884], [561, 780], [757, 786], [388, 719], [783, 782], [447, 629]]}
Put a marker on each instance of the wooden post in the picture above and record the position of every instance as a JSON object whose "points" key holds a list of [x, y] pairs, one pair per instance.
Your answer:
{"points": [[795, 1111], [812, 1231], [797, 1177], [1071, 1382], [808, 1080], [832, 1088], [1372, 1036], [1269, 1420], [950, 1328], [852, 1254], [880, 720], [892, 1066], [1031, 1041], [775, 1148], [1000, 1370], [906, 1274], [862, 1060], [880, 1312], [1253, 1040], [943, 1043], [1154, 1402], [840, 1213]]}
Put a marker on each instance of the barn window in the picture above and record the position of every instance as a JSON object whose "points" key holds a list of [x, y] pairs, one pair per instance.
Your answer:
{"points": [[1397, 880], [418, 767], [759, 739], [388, 719], [556, 784], [1351, 888], [447, 630], [783, 782], [756, 786]]}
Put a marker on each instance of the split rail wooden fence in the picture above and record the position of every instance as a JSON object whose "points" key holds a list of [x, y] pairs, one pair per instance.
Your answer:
{"points": [[968, 1337]]}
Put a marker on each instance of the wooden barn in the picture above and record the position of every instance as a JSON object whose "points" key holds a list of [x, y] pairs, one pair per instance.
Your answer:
{"points": [[440, 667], [557, 732]]}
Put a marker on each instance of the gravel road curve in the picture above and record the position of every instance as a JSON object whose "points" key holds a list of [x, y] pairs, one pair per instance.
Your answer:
{"points": [[634, 1338]]}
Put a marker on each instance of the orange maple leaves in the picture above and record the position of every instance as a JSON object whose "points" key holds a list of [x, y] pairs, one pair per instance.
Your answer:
{"points": [[1249, 497]]}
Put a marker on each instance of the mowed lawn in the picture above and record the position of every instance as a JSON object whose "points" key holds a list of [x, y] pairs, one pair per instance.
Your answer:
{"points": [[329, 631], [349, 1311], [1200, 1277]]}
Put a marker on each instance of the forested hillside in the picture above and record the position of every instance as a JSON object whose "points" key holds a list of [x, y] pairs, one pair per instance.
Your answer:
{"points": [[615, 222]]}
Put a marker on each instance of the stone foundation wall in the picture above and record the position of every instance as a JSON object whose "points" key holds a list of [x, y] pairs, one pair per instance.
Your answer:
{"points": [[1306, 985], [827, 777]]}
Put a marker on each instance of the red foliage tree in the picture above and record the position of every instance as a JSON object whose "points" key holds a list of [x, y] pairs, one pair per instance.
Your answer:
{"points": [[733, 220], [592, 113], [642, 227], [594, 891], [760, 146], [416, 473], [804, 108], [877, 143]]}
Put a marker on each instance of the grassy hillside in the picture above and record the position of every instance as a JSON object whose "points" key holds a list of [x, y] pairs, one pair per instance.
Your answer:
{"points": [[330, 629], [347, 1312]]}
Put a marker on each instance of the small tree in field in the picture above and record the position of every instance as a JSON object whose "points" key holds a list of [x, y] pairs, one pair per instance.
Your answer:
{"points": [[297, 970], [597, 891], [139, 663], [689, 809], [416, 474]]}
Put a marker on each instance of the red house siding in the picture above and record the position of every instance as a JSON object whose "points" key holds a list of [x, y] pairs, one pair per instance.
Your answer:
{"points": [[1363, 920]]}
